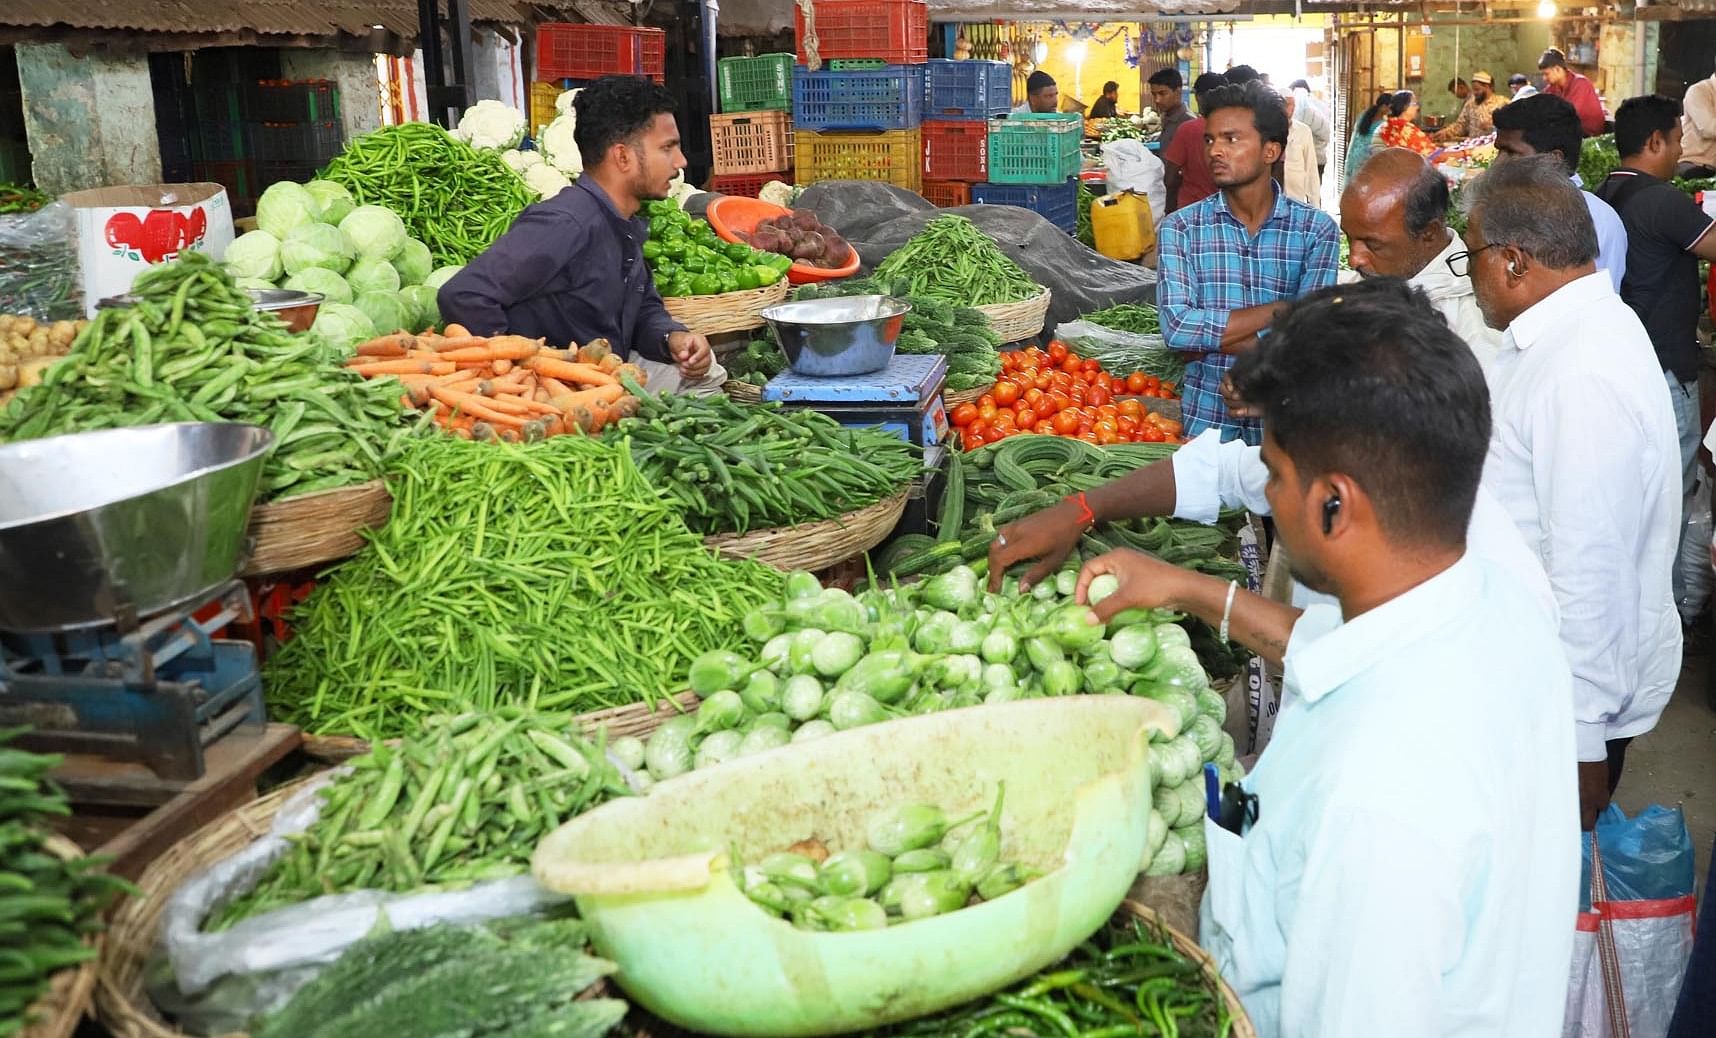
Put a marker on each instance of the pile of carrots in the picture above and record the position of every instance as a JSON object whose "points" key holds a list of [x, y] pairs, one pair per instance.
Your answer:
{"points": [[503, 387]]}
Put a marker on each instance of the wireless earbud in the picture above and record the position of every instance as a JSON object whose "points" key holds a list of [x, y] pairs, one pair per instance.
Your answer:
{"points": [[1331, 508], [1512, 269]]}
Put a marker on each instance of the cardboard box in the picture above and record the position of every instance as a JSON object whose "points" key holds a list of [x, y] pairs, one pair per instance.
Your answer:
{"points": [[121, 230]]}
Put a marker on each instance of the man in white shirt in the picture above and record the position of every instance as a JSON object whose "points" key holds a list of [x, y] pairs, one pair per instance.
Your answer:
{"points": [[1411, 868], [1585, 455], [1301, 177], [1520, 86], [1042, 95], [1310, 111], [1698, 130]]}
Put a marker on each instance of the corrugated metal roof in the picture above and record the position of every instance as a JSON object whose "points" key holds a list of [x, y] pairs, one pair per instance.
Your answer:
{"points": [[263, 17]]}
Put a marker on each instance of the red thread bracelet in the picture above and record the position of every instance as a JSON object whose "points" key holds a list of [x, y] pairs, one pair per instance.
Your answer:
{"points": [[1086, 517]]}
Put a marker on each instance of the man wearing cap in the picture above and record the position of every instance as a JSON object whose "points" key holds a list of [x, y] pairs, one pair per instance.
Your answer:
{"points": [[1573, 88], [1477, 115], [1520, 85]]}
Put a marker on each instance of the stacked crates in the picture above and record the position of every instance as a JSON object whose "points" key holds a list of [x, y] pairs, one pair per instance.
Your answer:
{"points": [[1034, 162], [293, 127], [568, 50], [959, 100], [752, 138], [858, 115]]}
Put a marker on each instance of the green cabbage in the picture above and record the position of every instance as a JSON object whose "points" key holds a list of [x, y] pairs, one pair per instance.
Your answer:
{"points": [[342, 325], [376, 231], [441, 275], [384, 310], [316, 245], [254, 254], [333, 201], [283, 207], [315, 279], [423, 312], [260, 284], [413, 262], [372, 275]]}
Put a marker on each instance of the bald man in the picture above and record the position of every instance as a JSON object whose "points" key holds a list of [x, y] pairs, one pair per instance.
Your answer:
{"points": [[1394, 214]]}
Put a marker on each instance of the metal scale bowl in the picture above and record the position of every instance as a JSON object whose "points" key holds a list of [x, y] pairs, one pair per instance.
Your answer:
{"points": [[111, 543]]}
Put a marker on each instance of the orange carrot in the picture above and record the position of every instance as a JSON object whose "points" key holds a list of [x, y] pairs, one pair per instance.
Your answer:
{"points": [[566, 355], [611, 363], [473, 405], [600, 397], [458, 343], [494, 351], [394, 345], [503, 366], [584, 374], [400, 367], [458, 379], [594, 351], [632, 371], [456, 331]]}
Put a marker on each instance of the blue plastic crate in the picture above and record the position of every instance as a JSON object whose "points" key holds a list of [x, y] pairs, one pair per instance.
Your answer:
{"points": [[967, 89], [886, 98], [1058, 204]]}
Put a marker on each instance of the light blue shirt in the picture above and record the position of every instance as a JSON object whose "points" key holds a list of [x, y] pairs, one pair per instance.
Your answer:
{"points": [[1611, 235], [1414, 868]]}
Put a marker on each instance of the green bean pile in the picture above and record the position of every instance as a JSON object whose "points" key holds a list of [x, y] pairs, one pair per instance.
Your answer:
{"points": [[952, 261], [193, 350], [453, 198], [546, 574], [731, 467], [20, 198], [1134, 319], [1138, 318], [463, 801], [1127, 981], [38, 257], [48, 905]]}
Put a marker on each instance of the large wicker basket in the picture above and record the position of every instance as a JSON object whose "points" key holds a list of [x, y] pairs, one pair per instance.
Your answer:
{"points": [[1016, 322], [58, 1012], [300, 532], [951, 400], [814, 546], [727, 312], [633, 719]]}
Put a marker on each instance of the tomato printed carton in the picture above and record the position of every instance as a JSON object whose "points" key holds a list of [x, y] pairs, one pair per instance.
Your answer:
{"points": [[121, 230]]}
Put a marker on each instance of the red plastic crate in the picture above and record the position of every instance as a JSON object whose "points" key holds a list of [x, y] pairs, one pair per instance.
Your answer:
{"points": [[751, 142], [956, 150], [947, 194], [747, 184], [566, 50], [893, 31]]}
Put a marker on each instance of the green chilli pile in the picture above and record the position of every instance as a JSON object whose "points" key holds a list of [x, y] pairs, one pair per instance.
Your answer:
{"points": [[193, 350], [953, 261], [547, 575], [917, 862], [465, 800], [454, 198], [1135, 319]]}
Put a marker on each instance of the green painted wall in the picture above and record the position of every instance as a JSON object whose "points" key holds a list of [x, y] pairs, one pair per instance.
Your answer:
{"points": [[1491, 48], [90, 120], [354, 74]]}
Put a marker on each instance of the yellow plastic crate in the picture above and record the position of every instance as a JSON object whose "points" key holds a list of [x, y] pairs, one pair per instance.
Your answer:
{"points": [[894, 157], [542, 111]]}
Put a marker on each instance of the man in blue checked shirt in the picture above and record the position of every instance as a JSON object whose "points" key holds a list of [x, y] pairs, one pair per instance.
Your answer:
{"points": [[1231, 262]]}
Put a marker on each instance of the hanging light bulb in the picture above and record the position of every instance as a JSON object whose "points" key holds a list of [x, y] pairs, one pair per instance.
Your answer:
{"points": [[1546, 9], [1040, 52]]}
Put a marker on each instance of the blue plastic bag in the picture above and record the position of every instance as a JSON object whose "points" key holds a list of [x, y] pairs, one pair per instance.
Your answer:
{"points": [[1647, 857]]}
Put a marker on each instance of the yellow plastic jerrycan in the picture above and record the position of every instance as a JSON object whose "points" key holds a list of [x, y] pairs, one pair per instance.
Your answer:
{"points": [[1122, 226]]}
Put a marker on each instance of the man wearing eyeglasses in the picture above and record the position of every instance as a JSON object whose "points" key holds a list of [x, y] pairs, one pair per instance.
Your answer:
{"points": [[1405, 871], [1585, 455]]}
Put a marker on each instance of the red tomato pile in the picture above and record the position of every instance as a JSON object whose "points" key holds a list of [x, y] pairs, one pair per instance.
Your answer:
{"points": [[1059, 393]]}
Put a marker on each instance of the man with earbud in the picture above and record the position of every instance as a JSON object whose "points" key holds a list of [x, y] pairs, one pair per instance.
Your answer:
{"points": [[1585, 455]]}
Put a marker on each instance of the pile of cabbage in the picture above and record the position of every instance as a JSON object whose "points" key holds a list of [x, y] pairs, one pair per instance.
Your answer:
{"points": [[824, 660], [374, 278]]}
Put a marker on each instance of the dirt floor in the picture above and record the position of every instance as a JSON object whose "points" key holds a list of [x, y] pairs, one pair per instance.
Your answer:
{"points": [[1676, 763]]}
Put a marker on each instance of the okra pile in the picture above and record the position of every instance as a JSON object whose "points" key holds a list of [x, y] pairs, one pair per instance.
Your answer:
{"points": [[731, 468], [952, 260], [464, 801], [193, 350], [546, 575], [918, 862], [516, 979], [47, 905]]}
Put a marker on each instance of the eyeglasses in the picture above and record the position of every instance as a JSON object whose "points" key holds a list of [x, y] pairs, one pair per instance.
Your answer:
{"points": [[1460, 263]]}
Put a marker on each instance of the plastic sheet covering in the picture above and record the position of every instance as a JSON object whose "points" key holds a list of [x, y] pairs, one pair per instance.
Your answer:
{"points": [[220, 981], [879, 218]]}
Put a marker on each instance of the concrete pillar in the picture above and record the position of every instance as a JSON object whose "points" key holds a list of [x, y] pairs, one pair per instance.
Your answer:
{"points": [[354, 74], [90, 120]]}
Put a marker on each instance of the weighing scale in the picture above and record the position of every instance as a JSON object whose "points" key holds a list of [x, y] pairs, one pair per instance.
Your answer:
{"points": [[904, 398]]}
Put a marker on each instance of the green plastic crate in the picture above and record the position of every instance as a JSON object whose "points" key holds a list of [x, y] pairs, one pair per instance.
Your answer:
{"points": [[855, 64], [759, 84], [1035, 149]]}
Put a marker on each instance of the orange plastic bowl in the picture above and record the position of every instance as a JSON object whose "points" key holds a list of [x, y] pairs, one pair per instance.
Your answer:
{"points": [[731, 214]]}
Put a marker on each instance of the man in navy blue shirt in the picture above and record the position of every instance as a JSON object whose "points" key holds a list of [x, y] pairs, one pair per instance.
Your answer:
{"points": [[571, 267]]}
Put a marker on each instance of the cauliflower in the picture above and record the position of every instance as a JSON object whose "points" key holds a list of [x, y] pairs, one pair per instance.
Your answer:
{"points": [[678, 190], [563, 103], [490, 125], [778, 193], [519, 161], [545, 180], [558, 148]]}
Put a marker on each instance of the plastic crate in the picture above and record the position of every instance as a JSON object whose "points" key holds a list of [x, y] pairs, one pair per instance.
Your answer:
{"points": [[894, 31], [218, 141], [1058, 204], [956, 151], [854, 64], [946, 194], [293, 101], [303, 142], [747, 184], [886, 98], [542, 110], [759, 84], [239, 178], [1035, 149], [967, 89], [751, 142], [276, 170], [565, 50], [894, 157]]}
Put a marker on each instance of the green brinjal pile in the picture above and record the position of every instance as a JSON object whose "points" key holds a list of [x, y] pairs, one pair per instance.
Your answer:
{"points": [[466, 800], [917, 862], [193, 350], [47, 905], [731, 467]]}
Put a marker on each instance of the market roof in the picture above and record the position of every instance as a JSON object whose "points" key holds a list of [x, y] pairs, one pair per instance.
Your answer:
{"points": [[167, 24]]}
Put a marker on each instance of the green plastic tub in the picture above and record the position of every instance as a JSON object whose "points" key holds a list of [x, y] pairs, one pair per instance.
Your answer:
{"points": [[652, 875]]}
